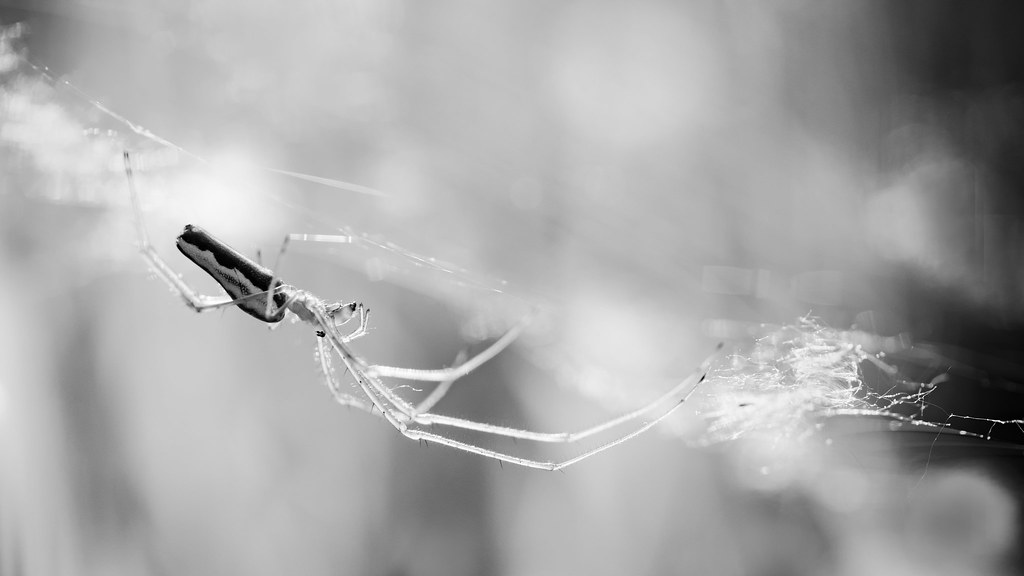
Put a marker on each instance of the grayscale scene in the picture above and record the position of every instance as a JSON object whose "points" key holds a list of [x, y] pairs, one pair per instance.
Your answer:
{"points": [[394, 287]]}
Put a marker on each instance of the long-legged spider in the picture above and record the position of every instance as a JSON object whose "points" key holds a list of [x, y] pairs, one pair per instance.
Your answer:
{"points": [[258, 292]]}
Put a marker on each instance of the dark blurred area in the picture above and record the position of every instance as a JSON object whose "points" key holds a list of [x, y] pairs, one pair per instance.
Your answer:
{"points": [[659, 177], [964, 59]]}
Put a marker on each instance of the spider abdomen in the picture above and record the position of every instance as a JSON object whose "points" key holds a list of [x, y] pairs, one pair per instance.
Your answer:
{"points": [[236, 273]]}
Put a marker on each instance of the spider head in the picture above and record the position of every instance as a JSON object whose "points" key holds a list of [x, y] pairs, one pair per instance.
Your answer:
{"points": [[341, 313]]}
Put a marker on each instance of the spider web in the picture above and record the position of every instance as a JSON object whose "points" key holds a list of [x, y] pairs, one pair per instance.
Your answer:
{"points": [[793, 376]]}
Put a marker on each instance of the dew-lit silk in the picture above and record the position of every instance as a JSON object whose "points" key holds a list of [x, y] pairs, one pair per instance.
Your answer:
{"points": [[237, 274]]}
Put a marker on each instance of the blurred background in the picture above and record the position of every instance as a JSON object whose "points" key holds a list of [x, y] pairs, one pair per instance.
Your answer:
{"points": [[655, 177]]}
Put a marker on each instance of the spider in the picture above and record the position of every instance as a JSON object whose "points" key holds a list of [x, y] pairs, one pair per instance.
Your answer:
{"points": [[257, 291]]}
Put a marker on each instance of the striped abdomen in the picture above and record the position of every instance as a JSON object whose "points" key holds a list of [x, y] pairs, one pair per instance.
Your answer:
{"points": [[237, 274]]}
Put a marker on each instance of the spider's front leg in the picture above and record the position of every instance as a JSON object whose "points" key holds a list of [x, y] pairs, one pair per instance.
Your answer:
{"points": [[340, 314]]}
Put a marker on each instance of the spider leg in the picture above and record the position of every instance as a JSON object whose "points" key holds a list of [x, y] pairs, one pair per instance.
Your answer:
{"points": [[399, 414], [274, 278], [379, 395], [343, 398], [566, 437], [438, 375], [360, 331], [340, 313], [406, 412], [454, 372], [438, 392], [403, 408], [418, 434], [195, 301]]}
